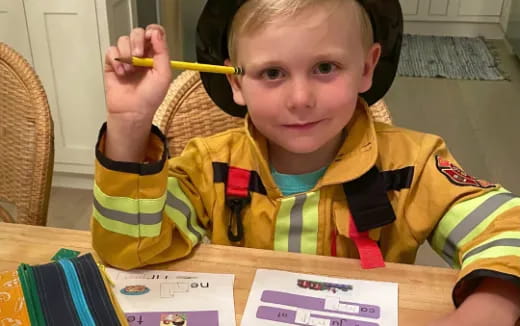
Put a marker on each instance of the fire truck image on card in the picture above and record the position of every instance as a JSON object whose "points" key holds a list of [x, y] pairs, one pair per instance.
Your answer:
{"points": [[324, 286]]}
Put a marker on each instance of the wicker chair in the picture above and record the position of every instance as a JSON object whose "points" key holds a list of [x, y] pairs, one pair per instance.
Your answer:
{"points": [[187, 112], [26, 142]]}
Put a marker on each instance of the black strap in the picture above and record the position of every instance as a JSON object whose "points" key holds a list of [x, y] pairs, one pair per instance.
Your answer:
{"points": [[367, 197], [236, 204], [368, 201], [393, 179], [398, 179], [220, 175]]}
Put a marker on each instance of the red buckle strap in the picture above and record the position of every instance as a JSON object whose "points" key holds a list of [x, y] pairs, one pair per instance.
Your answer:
{"points": [[369, 252], [238, 182], [237, 197]]}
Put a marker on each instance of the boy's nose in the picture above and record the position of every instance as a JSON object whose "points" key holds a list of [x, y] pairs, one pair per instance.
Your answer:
{"points": [[300, 95]]}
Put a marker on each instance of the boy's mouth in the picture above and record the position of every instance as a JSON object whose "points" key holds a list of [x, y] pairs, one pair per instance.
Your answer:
{"points": [[302, 126]]}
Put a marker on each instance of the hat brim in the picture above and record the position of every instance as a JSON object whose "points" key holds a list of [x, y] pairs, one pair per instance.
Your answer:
{"points": [[212, 32]]}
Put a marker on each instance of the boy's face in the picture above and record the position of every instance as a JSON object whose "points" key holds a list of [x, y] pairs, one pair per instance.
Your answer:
{"points": [[303, 77]]}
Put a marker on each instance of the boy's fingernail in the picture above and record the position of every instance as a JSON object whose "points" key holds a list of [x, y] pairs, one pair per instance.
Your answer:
{"points": [[120, 70], [160, 35]]}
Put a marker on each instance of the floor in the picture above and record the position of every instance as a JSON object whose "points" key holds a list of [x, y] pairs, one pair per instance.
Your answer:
{"points": [[478, 120]]}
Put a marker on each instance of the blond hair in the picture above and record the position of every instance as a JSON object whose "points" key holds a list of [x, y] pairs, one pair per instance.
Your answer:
{"points": [[255, 14]]}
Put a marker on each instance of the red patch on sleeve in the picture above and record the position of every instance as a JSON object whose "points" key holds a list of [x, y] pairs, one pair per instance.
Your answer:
{"points": [[457, 176]]}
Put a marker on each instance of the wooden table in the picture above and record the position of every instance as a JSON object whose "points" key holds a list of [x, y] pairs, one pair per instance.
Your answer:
{"points": [[424, 292]]}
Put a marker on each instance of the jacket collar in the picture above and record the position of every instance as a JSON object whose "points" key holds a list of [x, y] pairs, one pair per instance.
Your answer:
{"points": [[359, 151]]}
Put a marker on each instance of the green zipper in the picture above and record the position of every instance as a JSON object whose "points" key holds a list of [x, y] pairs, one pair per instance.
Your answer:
{"points": [[30, 292], [26, 293]]}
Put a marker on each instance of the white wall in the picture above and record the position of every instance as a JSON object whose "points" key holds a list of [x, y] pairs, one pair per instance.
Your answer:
{"points": [[504, 18]]}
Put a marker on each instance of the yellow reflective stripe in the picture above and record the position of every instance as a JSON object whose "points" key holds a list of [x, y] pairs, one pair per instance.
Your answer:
{"points": [[453, 217], [494, 252], [180, 222], [180, 210], [515, 202], [502, 235], [127, 216], [283, 224], [175, 189], [131, 230], [129, 205], [297, 224], [296, 227], [501, 245], [309, 242], [503, 239]]}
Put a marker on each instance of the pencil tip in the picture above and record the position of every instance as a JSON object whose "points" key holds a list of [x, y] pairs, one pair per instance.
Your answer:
{"points": [[118, 59], [239, 71]]}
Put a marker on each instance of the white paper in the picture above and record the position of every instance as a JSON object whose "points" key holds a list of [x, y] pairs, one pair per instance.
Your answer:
{"points": [[149, 297], [280, 298]]}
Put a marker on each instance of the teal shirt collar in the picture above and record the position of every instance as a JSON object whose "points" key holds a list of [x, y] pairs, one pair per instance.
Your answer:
{"points": [[290, 184]]}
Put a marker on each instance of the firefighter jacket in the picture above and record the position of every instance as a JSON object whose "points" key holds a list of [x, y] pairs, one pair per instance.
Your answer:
{"points": [[398, 187]]}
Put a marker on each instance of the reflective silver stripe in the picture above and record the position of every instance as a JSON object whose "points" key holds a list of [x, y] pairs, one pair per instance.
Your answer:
{"points": [[181, 206], [497, 243], [471, 221], [133, 219], [296, 228]]}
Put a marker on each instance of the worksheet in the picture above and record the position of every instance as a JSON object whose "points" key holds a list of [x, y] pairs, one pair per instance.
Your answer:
{"points": [[157, 298], [280, 298]]}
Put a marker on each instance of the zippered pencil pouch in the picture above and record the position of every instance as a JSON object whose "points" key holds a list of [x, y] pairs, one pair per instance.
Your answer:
{"points": [[70, 291]]}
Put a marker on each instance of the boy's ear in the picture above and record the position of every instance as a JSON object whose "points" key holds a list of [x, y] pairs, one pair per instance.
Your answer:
{"points": [[371, 60], [236, 86]]}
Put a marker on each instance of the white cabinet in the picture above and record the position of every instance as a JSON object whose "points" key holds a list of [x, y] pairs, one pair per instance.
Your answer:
{"points": [[67, 57], [410, 7], [513, 28], [65, 40], [482, 11], [438, 8], [456, 17], [480, 7], [13, 29]]}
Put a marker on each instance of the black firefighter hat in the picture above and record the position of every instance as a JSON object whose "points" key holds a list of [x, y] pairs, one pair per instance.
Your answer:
{"points": [[212, 33]]}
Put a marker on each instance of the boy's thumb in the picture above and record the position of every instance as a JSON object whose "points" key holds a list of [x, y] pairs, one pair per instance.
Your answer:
{"points": [[161, 56]]}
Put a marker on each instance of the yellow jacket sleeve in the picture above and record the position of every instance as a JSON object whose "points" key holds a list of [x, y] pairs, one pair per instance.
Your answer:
{"points": [[148, 213], [476, 224]]}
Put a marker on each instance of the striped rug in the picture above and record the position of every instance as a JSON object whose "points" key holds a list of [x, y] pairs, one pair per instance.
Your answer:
{"points": [[448, 57]]}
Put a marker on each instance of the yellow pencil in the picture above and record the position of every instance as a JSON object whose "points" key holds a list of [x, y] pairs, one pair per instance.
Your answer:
{"points": [[148, 62]]}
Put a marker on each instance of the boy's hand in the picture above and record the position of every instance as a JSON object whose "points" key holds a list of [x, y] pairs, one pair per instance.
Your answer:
{"points": [[494, 302], [450, 320], [137, 91], [133, 94], [457, 319]]}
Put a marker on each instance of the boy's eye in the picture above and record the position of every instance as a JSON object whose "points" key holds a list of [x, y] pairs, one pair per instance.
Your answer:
{"points": [[325, 68], [272, 74]]}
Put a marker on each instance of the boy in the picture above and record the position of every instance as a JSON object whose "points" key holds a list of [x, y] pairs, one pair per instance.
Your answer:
{"points": [[311, 171]]}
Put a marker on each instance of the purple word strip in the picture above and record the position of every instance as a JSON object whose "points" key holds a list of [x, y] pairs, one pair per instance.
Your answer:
{"points": [[332, 304], [306, 318]]}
